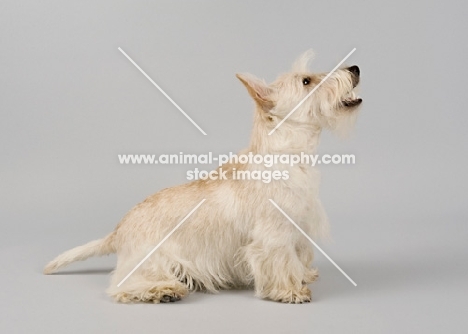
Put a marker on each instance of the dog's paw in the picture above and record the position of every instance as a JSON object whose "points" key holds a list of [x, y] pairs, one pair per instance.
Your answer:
{"points": [[165, 295], [157, 294], [296, 297], [170, 298]]}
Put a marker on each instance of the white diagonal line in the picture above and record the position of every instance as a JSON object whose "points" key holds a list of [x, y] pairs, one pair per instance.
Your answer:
{"points": [[161, 242], [312, 91], [312, 241], [163, 92]]}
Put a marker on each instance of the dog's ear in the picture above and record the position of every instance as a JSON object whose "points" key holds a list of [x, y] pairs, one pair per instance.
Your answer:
{"points": [[258, 89], [302, 63]]}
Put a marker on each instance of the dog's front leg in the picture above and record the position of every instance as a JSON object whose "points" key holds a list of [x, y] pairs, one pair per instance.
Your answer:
{"points": [[278, 272], [306, 256]]}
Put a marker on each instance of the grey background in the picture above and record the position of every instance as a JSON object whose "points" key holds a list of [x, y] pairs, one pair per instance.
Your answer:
{"points": [[70, 102]]}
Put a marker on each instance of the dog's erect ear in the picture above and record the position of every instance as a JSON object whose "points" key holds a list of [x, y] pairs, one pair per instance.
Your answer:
{"points": [[302, 63], [258, 89]]}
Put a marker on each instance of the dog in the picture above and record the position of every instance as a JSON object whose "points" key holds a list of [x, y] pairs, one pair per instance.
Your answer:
{"points": [[237, 238]]}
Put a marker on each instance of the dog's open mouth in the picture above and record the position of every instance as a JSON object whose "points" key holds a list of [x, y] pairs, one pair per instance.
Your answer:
{"points": [[351, 100]]}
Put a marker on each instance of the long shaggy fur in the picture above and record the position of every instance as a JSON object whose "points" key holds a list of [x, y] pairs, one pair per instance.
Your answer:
{"points": [[236, 238]]}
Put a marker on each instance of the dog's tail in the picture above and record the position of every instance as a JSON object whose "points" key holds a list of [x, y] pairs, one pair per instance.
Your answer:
{"points": [[104, 246]]}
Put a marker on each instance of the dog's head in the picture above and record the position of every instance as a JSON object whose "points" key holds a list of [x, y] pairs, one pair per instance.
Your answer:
{"points": [[333, 103]]}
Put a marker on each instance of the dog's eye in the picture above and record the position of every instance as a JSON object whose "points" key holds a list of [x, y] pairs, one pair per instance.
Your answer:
{"points": [[306, 81]]}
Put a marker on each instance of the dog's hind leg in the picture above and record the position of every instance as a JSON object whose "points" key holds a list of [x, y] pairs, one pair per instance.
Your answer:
{"points": [[146, 284], [141, 289]]}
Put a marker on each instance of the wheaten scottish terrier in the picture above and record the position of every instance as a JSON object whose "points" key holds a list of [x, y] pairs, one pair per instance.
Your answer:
{"points": [[237, 238]]}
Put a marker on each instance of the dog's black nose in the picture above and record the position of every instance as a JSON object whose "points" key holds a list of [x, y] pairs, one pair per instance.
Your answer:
{"points": [[355, 70]]}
